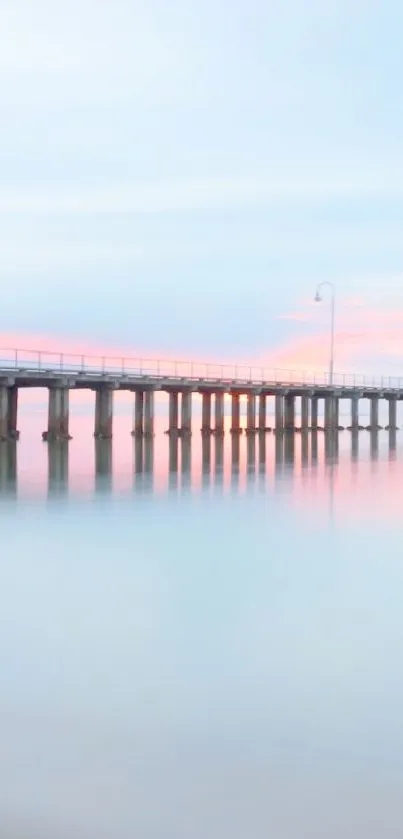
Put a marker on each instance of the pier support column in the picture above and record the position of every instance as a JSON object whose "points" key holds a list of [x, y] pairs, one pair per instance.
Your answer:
{"points": [[4, 398], [355, 418], [289, 412], [13, 413], [206, 413], [235, 414], [262, 412], [304, 412], [149, 413], [279, 413], [58, 415], [138, 426], [219, 413], [103, 413], [186, 412], [336, 412], [374, 413], [329, 413], [314, 413], [250, 413], [173, 412], [392, 414]]}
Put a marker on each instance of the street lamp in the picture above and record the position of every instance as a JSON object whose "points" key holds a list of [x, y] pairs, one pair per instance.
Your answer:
{"points": [[318, 299]]}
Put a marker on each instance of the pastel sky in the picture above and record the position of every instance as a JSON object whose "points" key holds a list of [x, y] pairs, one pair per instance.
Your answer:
{"points": [[177, 177]]}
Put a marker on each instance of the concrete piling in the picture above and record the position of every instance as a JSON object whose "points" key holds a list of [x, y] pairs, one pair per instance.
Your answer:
{"points": [[235, 414], [173, 412], [186, 412], [206, 413], [103, 413], [289, 412], [58, 415], [279, 412], [219, 413], [149, 413], [304, 412], [262, 412], [250, 413]]}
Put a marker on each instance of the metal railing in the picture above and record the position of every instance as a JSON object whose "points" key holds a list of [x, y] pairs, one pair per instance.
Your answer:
{"points": [[45, 361]]}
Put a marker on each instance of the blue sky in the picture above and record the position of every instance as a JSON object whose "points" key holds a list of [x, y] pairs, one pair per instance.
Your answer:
{"points": [[178, 175]]}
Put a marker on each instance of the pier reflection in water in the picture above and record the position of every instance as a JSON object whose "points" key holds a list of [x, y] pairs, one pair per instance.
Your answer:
{"points": [[193, 463], [213, 619]]}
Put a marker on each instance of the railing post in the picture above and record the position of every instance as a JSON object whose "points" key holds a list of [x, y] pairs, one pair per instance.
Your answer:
{"points": [[16, 358], [123, 365], [61, 361]]}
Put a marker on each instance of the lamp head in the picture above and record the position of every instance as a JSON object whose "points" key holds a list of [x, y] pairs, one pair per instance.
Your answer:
{"points": [[317, 298]]}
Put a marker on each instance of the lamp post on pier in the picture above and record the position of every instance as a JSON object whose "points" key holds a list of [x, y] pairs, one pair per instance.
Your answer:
{"points": [[318, 299]]}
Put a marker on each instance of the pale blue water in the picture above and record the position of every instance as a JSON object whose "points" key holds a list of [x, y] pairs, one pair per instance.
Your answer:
{"points": [[203, 652]]}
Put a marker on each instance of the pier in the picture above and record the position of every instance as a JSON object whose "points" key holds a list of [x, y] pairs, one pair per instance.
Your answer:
{"points": [[61, 374]]}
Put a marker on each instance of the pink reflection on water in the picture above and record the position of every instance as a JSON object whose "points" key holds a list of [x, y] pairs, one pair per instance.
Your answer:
{"points": [[351, 477]]}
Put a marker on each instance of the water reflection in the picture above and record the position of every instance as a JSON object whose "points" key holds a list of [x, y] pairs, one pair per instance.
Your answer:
{"points": [[103, 465], [58, 467], [8, 467], [298, 460]]}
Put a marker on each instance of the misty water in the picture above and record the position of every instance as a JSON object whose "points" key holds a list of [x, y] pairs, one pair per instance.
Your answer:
{"points": [[200, 640]]}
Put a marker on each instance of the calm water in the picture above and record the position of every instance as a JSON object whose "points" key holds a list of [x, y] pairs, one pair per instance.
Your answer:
{"points": [[201, 642]]}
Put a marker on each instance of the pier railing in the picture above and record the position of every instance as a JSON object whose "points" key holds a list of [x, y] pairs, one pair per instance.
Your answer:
{"points": [[36, 361]]}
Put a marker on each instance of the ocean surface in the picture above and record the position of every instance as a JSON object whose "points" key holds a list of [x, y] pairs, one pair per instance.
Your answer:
{"points": [[201, 640]]}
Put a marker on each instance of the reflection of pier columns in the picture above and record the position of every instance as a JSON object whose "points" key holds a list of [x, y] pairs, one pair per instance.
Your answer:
{"points": [[219, 454], [304, 412], [138, 455], [173, 460], [186, 455], [58, 465], [279, 453], [103, 413], [103, 463], [8, 466], [235, 454], [392, 443], [331, 448], [219, 412], [235, 414], [186, 412], [262, 452], [289, 412], [314, 413], [251, 412], [289, 449], [314, 448], [262, 412], [304, 447], [279, 412], [206, 458], [251, 453], [355, 437], [374, 444]]}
